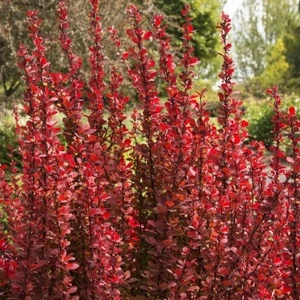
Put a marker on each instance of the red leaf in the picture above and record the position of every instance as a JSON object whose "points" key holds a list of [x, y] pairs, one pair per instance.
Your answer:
{"points": [[130, 32], [193, 61], [147, 35], [244, 123], [292, 111], [126, 275], [163, 126], [152, 241], [127, 142], [277, 261], [72, 266], [44, 62], [72, 290], [151, 63], [225, 204], [169, 203], [62, 198], [37, 265], [157, 20], [95, 211], [160, 209], [236, 139], [190, 28], [125, 55]]}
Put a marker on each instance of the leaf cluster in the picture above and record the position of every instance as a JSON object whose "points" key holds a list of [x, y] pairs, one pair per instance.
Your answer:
{"points": [[173, 207]]}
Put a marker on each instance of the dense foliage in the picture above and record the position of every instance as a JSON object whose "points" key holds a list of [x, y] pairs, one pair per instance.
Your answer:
{"points": [[204, 15], [7, 140], [266, 44], [259, 115], [171, 207], [13, 31]]}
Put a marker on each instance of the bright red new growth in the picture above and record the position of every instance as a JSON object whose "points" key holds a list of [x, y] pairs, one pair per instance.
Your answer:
{"points": [[173, 207]]}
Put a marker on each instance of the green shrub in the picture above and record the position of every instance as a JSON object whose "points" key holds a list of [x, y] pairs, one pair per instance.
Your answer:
{"points": [[259, 115], [8, 140]]}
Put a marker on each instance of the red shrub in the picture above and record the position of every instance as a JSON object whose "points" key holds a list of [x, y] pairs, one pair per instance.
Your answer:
{"points": [[174, 208]]}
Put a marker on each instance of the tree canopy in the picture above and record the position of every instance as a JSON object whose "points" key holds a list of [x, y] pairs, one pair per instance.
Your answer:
{"points": [[14, 29], [266, 42], [205, 14]]}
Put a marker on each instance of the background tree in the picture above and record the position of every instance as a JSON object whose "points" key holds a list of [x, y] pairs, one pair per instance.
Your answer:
{"points": [[13, 31], [249, 44], [277, 66], [258, 26], [292, 45], [205, 14], [276, 70]]}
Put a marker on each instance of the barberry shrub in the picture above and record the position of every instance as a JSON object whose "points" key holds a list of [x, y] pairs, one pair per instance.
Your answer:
{"points": [[170, 207]]}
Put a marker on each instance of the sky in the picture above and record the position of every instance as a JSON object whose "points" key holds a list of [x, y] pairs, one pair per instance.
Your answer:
{"points": [[232, 6]]}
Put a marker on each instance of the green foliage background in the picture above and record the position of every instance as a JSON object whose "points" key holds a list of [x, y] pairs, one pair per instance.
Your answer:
{"points": [[259, 114], [267, 43]]}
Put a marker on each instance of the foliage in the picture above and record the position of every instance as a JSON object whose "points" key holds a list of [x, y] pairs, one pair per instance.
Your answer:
{"points": [[13, 31], [257, 33], [8, 140], [277, 66], [248, 42], [275, 71], [292, 45], [265, 43], [173, 208], [205, 40], [259, 114]]}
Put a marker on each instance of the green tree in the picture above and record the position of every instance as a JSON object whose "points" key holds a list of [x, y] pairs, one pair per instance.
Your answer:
{"points": [[276, 72], [248, 42], [277, 66], [205, 14], [292, 45], [13, 31], [258, 26]]}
